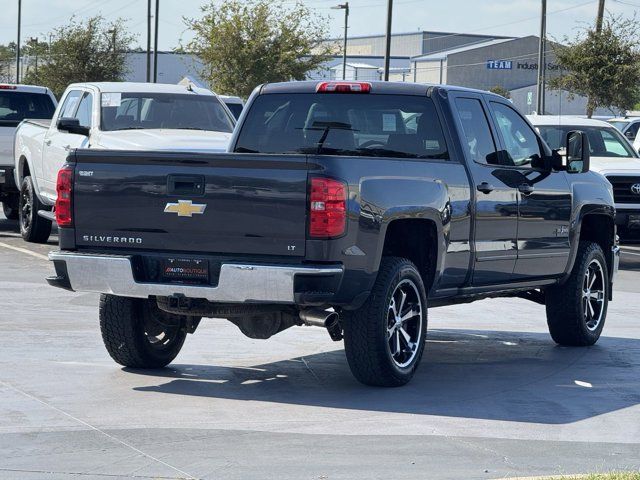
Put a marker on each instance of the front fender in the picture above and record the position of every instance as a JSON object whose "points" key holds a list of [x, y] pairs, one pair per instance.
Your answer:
{"points": [[592, 195]]}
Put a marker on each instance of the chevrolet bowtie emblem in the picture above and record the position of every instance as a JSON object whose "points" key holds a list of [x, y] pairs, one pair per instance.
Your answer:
{"points": [[185, 208]]}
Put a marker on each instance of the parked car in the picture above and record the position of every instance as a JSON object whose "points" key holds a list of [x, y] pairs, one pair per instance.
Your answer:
{"points": [[611, 156], [234, 104], [330, 211], [629, 126], [17, 102], [121, 116]]}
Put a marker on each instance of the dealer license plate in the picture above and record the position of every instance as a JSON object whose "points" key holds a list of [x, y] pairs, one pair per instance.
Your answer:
{"points": [[187, 270]]}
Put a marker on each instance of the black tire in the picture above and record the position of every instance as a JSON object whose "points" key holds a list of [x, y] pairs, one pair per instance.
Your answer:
{"points": [[132, 331], [10, 207], [367, 338], [33, 227], [570, 319]]}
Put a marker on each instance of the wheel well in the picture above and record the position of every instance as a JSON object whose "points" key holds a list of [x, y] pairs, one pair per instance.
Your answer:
{"points": [[415, 240], [24, 169], [599, 229]]}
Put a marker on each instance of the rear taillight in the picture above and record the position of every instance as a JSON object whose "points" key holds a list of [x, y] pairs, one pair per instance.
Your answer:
{"points": [[343, 87], [328, 208], [64, 186], [8, 87]]}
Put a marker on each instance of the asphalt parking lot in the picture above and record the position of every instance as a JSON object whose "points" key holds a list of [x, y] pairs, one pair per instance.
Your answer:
{"points": [[494, 397]]}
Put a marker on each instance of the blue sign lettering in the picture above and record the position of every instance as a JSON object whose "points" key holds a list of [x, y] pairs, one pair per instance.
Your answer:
{"points": [[499, 64]]}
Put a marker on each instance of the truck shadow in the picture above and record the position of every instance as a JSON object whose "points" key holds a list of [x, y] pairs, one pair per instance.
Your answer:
{"points": [[510, 376]]}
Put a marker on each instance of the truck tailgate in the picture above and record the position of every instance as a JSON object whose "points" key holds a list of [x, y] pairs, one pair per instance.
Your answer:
{"points": [[190, 202]]}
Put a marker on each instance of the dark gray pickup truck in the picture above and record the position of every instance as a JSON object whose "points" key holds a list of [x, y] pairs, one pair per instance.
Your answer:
{"points": [[347, 205]]}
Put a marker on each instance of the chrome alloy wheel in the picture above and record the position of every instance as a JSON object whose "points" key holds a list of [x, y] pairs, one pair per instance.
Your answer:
{"points": [[594, 291], [404, 323], [25, 209]]}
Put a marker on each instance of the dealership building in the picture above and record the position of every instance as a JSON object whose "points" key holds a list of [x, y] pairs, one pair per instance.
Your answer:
{"points": [[468, 60]]}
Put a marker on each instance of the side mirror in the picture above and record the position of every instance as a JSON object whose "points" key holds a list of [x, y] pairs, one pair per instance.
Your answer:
{"points": [[578, 155], [72, 125], [629, 134]]}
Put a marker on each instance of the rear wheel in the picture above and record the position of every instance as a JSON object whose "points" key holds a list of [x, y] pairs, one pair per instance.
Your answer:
{"points": [[576, 310], [33, 227], [138, 334], [384, 339], [10, 207]]}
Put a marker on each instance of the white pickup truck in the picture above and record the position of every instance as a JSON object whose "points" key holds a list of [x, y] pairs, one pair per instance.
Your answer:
{"points": [[611, 156], [17, 102], [114, 116]]}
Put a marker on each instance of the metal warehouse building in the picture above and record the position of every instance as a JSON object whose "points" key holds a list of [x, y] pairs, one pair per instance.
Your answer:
{"points": [[468, 60]]}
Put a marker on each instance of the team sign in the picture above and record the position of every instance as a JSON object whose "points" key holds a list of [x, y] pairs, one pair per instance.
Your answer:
{"points": [[499, 64]]}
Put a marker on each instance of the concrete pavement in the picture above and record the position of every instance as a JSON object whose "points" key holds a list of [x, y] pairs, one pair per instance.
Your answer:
{"points": [[494, 397]]}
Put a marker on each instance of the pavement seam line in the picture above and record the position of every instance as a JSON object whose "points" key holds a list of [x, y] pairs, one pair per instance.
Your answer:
{"points": [[92, 427], [108, 475], [24, 250]]}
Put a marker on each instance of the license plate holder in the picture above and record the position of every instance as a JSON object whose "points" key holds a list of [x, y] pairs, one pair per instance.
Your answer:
{"points": [[185, 270]]}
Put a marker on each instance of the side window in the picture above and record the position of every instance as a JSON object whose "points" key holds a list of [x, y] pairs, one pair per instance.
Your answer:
{"points": [[70, 104], [479, 142], [521, 143], [84, 110]]}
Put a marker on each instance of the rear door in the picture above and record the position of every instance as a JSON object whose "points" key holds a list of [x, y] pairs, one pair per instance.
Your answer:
{"points": [[544, 198], [496, 201], [209, 203], [58, 144]]}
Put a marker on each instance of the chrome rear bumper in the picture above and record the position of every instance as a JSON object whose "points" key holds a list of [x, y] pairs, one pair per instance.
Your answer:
{"points": [[238, 283]]}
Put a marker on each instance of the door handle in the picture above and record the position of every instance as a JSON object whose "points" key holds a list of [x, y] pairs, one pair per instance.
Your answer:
{"points": [[485, 187], [526, 189], [47, 142]]}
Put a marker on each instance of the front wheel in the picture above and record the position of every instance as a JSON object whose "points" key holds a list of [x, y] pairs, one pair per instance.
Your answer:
{"points": [[33, 227], [576, 310], [138, 334], [384, 339]]}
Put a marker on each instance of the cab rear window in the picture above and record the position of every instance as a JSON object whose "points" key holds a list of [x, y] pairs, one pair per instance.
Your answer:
{"points": [[16, 106], [343, 124]]}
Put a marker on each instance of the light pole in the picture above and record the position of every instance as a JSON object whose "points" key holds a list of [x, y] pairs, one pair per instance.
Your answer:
{"points": [[345, 7], [155, 45], [542, 60], [18, 42], [148, 41], [387, 50]]}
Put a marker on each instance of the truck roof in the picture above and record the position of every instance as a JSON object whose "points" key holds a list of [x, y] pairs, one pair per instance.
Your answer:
{"points": [[567, 120], [12, 87], [142, 87], [389, 88]]}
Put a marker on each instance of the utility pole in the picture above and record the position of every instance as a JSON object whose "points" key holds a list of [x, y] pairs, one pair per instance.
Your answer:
{"points": [[387, 51], [599, 21], [32, 41], [542, 60], [148, 41], [345, 7], [155, 45], [113, 39], [18, 42], [600, 16]]}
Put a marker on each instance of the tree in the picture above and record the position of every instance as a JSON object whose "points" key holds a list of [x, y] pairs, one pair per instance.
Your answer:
{"points": [[603, 66], [7, 62], [500, 90], [89, 51], [243, 44]]}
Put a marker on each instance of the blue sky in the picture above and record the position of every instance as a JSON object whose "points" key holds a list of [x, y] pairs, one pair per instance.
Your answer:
{"points": [[504, 17]]}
